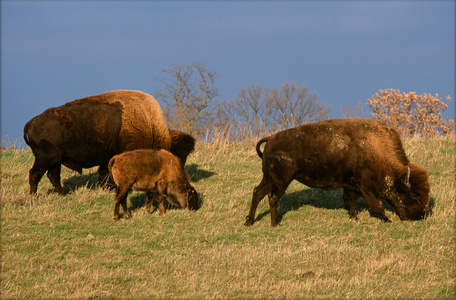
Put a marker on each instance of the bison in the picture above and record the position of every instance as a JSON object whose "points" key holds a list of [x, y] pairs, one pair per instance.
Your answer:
{"points": [[158, 173], [88, 132], [362, 156], [182, 144]]}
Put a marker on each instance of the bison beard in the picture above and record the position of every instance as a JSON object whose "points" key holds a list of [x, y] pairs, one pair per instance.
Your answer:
{"points": [[362, 156]]}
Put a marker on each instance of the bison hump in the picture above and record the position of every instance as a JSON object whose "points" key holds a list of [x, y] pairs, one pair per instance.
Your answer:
{"points": [[143, 124]]}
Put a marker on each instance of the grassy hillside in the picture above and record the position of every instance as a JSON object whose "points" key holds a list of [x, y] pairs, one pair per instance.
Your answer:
{"points": [[70, 247]]}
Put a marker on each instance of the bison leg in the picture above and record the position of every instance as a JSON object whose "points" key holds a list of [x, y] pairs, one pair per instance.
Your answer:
{"points": [[151, 196], [375, 206], [274, 198], [121, 199], [258, 194], [35, 175], [161, 204], [54, 176], [125, 209], [149, 201], [350, 200]]}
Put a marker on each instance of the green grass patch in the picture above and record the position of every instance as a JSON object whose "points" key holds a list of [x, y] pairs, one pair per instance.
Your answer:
{"points": [[70, 247]]}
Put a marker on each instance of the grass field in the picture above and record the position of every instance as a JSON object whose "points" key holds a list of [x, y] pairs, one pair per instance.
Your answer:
{"points": [[70, 247]]}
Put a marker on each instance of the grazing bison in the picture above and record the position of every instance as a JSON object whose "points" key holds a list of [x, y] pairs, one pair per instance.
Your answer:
{"points": [[363, 156], [87, 132], [158, 173]]}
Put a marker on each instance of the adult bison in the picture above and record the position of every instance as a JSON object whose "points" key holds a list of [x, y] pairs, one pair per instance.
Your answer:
{"points": [[88, 132], [362, 156]]}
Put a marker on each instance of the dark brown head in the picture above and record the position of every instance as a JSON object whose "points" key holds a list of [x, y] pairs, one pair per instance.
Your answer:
{"points": [[182, 144], [413, 191], [192, 198]]}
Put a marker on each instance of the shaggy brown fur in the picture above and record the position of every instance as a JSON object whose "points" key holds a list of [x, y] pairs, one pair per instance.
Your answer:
{"points": [[362, 156], [182, 144], [158, 173], [87, 132]]}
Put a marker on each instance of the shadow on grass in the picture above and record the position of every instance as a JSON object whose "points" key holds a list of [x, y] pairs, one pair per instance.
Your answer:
{"points": [[138, 200], [196, 174], [77, 181], [91, 180], [317, 198], [430, 210]]}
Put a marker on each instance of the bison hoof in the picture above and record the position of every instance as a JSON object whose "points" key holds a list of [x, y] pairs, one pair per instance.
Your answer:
{"points": [[61, 192], [248, 221]]}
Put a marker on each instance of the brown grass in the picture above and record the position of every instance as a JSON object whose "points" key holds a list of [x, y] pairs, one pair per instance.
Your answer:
{"points": [[69, 247]]}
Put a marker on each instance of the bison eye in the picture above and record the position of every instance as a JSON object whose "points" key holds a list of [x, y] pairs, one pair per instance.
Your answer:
{"points": [[414, 196]]}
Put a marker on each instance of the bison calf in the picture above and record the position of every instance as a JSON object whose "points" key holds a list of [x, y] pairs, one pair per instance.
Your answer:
{"points": [[362, 156], [156, 172]]}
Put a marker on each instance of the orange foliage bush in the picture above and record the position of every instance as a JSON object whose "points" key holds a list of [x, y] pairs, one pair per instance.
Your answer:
{"points": [[412, 114]]}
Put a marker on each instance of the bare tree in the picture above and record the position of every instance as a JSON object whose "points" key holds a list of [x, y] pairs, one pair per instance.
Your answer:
{"points": [[250, 112], [188, 91], [353, 112], [257, 111], [294, 105]]}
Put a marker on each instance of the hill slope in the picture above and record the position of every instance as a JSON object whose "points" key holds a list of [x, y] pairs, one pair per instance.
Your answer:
{"points": [[70, 247]]}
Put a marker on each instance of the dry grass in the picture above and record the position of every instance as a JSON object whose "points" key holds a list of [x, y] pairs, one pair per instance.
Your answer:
{"points": [[70, 247]]}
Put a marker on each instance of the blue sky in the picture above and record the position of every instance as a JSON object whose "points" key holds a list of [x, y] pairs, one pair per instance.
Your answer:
{"points": [[53, 52]]}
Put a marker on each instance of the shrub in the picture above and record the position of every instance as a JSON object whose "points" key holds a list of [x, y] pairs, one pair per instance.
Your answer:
{"points": [[412, 114]]}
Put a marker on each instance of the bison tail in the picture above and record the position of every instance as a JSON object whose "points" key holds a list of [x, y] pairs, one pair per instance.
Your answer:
{"points": [[26, 138], [111, 162], [258, 150], [110, 173]]}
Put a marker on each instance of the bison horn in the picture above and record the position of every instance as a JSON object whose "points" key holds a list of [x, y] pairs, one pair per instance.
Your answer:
{"points": [[407, 178]]}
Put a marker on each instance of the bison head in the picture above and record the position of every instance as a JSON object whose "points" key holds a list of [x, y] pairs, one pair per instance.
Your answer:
{"points": [[192, 198], [413, 192]]}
